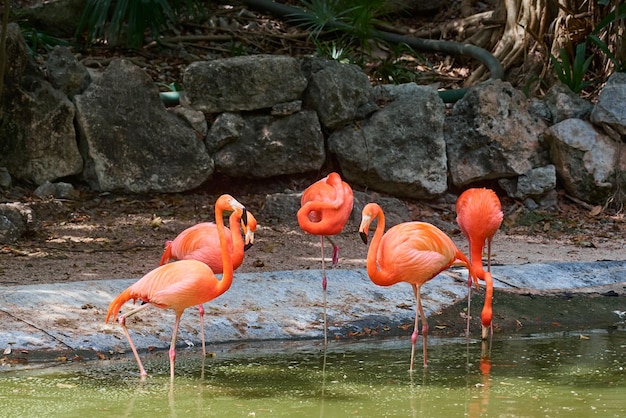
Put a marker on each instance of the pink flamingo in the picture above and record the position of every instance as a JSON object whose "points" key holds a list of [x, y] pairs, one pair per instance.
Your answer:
{"points": [[325, 208], [201, 242], [179, 285], [412, 252], [479, 215]]}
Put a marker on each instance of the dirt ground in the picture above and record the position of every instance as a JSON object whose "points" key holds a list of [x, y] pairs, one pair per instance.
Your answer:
{"points": [[109, 236]]}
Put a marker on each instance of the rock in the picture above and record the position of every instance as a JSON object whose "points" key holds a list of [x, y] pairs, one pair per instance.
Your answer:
{"points": [[339, 93], [228, 127], [5, 178], [39, 139], [491, 134], [15, 220], [399, 150], [129, 140], [270, 146], [610, 110], [65, 72], [56, 190], [585, 160], [243, 83], [534, 183], [565, 104]]}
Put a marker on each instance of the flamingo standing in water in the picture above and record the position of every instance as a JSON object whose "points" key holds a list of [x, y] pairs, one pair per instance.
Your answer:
{"points": [[179, 285], [201, 242], [479, 215], [325, 208], [412, 252]]}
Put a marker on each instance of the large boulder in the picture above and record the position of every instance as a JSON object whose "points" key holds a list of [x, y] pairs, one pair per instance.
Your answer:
{"points": [[262, 146], [339, 93], [399, 150], [243, 83], [491, 134], [586, 161], [37, 136], [129, 140]]}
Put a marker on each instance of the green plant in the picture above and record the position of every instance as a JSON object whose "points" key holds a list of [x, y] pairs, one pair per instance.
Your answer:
{"points": [[335, 50], [356, 19], [36, 40], [614, 18], [113, 21], [395, 67], [352, 24], [572, 73]]}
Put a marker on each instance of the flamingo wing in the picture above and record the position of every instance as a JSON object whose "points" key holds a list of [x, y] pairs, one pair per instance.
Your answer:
{"points": [[177, 285], [200, 242], [414, 252]]}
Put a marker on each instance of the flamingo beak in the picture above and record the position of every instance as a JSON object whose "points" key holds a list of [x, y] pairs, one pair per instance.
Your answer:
{"points": [[363, 237], [244, 216], [249, 239]]}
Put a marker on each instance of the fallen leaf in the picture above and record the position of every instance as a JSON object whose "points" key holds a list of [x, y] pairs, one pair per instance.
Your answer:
{"points": [[595, 211]]}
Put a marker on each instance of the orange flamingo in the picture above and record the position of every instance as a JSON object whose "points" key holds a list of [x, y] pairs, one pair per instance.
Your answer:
{"points": [[412, 252], [479, 215], [201, 242], [325, 208], [179, 285]]}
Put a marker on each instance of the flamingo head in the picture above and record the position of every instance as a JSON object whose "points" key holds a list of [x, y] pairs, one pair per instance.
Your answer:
{"points": [[370, 211], [249, 230]]}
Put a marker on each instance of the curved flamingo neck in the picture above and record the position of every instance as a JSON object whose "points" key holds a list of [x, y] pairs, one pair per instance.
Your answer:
{"points": [[227, 274], [486, 315], [376, 275], [234, 224], [476, 257], [311, 215]]}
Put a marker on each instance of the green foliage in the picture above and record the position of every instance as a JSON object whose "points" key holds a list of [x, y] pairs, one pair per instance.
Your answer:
{"points": [[352, 23], [616, 17], [351, 17], [334, 50], [572, 72], [115, 20], [393, 69], [36, 40]]}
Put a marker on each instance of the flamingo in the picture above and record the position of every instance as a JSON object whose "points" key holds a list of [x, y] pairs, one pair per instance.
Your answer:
{"points": [[479, 215], [412, 252], [325, 208], [201, 242], [179, 285]]}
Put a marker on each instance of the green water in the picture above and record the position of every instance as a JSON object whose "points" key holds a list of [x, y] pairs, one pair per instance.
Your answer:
{"points": [[558, 375]]}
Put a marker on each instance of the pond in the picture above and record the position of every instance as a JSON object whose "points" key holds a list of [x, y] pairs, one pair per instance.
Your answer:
{"points": [[569, 374]]}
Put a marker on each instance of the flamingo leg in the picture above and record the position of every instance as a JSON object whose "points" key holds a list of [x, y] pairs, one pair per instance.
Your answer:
{"points": [[469, 295], [419, 311], [335, 251], [324, 285], [469, 303], [122, 321], [413, 337], [173, 345], [424, 325], [201, 312]]}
